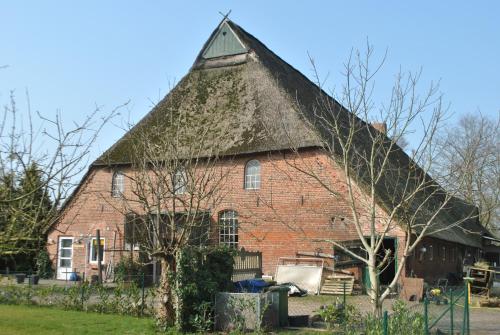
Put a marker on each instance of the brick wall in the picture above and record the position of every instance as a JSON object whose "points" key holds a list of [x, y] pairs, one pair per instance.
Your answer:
{"points": [[291, 212]]}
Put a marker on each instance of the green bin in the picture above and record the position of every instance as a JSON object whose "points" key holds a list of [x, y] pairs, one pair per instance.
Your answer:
{"points": [[282, 304], [366, 280]]}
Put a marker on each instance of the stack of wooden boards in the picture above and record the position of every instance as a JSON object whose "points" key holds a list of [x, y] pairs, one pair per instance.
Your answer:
{"points": [[337, 283]]}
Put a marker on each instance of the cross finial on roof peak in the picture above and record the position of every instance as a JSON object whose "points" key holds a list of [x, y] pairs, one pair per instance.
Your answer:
{"points": [[225, 16]]}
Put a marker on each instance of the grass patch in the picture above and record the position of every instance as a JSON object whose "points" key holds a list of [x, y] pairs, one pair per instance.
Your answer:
{"points": [[22, 319], [16, 320]]}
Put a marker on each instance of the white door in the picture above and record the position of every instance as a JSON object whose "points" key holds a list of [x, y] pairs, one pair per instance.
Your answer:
{"points": [[65, 258]]}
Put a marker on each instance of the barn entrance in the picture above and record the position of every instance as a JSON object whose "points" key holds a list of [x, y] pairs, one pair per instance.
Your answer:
{"points": [[389, 271]]}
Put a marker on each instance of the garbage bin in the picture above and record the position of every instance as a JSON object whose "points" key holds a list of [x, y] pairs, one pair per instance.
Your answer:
{"points": [[282, 303], [20, 278], [33, 279]]}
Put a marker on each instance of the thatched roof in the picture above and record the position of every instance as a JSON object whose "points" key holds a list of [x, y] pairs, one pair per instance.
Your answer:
{"points": [[238, 85], [242, 93]]}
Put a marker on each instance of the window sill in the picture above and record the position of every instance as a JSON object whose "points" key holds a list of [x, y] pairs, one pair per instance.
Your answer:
{"points": [[94, 264]]}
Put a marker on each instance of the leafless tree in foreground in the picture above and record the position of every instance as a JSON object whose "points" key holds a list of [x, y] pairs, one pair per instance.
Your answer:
{"points": [[176, 179], [469, 164], [40, 158], [387, 190]]}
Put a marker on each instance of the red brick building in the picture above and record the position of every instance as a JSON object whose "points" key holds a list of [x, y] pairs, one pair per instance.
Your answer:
{"points": [[269, 205]]}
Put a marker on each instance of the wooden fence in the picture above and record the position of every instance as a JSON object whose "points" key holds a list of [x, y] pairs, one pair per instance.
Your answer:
{"points": [[247, 265]]}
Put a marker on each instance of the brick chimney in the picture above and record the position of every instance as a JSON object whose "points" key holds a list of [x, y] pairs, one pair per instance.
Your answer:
{"points": [[380, 126]]}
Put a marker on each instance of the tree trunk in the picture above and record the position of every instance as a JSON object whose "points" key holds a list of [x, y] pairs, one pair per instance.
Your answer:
{"points": [[165, 312], [374, 291]]}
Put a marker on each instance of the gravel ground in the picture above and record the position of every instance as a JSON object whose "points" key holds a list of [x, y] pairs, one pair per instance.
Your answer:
{"points": [[483, 320], [310, 305]]}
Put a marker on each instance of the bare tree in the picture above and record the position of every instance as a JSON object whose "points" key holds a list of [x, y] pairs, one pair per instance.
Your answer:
{"points": [[469, 164], [40, 158], [176, 179], [387, 191]]}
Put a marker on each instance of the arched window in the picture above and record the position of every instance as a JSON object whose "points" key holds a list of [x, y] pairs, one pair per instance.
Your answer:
{"points": [[180, 181], [117, 184], [228, 228], [252, 175]]}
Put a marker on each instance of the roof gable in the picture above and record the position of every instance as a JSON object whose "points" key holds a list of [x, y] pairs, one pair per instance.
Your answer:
{"points": [[224, 43]]}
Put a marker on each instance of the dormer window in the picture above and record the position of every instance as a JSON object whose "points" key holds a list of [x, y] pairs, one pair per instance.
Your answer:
{"points": [[252, 175], [117, 184]]}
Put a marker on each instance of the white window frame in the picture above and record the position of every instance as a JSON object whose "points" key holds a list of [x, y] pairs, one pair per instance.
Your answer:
{"points": [[60, 274], [228, 228], [91, 249], [180, 181], [117, 184], [252, 175]]}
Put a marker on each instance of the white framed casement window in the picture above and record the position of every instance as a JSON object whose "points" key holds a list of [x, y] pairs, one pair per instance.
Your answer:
{"points": [[431, 252], [180, 181], [228, 228], [117, 184], [252, 175], [93, 250]]}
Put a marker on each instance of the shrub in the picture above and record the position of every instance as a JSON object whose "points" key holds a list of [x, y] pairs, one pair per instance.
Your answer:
{"points": [[333, 314], [44, 265], [202, 321], [129, 270], [201, 273], [75, 297], [405, 321], [15, 295], [401, 321], [103, 305], [50, 296], [125, 299]]}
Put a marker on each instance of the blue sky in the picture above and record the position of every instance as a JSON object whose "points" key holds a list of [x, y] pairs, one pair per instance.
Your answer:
{"points": [[72, 56]]}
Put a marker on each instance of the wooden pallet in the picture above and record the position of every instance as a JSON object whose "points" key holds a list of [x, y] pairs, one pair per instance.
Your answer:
{"points": [[334, 284], [481, 280]]}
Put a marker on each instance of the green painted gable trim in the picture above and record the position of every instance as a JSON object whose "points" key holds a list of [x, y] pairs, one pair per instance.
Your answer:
{"points": [[224, 43]]}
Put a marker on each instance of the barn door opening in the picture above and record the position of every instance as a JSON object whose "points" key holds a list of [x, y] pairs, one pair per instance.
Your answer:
{"points": [[389, 271]]}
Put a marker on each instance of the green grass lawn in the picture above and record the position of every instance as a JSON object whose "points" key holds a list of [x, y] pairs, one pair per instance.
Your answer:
{"points": [[17, 320], [31, 320]]}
